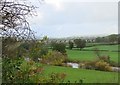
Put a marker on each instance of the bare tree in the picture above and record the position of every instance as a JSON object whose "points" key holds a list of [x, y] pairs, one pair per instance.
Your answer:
{"points": [[13, 19]]}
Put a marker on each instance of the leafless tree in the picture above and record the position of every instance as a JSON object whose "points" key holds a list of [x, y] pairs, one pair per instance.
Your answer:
{"points": [[13, 19]]}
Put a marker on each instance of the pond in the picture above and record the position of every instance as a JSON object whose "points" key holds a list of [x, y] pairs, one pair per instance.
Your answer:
{"points": [[74, 65]]}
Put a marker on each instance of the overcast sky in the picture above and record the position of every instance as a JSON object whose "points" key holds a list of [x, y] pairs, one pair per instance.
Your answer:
{"points": [[64, 18]]}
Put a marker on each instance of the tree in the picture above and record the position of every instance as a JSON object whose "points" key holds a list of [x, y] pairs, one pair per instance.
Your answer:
{"points": [[118, 39], [80, 43], [112, 38], [98, 39], [13, 22], [71, 45], [13, 19], [59, 47]]}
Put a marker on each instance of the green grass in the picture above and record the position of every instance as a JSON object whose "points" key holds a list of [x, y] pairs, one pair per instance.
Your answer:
{"points": [[104, 47], [76, 54], [80, 55], [88, 76]]}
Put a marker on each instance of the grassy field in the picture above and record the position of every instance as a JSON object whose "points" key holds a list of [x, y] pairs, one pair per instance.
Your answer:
{"points": [[76, 54], [88, 76], [104, 47]]}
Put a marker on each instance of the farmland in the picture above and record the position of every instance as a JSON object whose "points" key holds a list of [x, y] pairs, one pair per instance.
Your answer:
{"points": [[88, 53], [88, 76]]}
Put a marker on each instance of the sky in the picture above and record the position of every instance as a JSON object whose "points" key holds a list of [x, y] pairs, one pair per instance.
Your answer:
{"points": [[66, 18]]}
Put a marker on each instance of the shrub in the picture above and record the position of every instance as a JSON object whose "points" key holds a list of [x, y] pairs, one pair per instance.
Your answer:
{"points": [[96, 65], [102, 65], [88, 65], [20, 71], [104, 58], [57, 77], [9, 45], [54, 58], [101, 57]]}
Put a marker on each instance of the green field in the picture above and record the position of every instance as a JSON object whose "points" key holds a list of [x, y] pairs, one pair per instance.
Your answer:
{"points": [[104, 47], [88, 76], [76, 54]]}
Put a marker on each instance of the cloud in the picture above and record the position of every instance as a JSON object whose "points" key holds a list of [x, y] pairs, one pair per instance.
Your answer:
{"points": [[56, 4], [77, 18], [82, 12], [36, 19]]}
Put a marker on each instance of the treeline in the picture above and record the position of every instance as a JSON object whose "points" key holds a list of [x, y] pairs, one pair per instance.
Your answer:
{"points": [[60, 46], [81, 43], [110, 39]]}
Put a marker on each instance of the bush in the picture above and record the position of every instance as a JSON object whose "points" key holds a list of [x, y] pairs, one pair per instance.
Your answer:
{"points": [[88, 65], [33, 50], [54, 58], [9, 45], [101, 57], [57, 77], [21, 71], [104, 58], [60, 47], [96, 65], [102, 65]]}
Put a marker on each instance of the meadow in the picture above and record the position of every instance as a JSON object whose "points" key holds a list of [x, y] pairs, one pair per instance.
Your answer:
{"points": [[88, 76], [104, 47], [88, 54]]}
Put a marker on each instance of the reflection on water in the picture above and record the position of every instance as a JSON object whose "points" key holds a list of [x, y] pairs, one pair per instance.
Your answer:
{"points": [[74, 65]]}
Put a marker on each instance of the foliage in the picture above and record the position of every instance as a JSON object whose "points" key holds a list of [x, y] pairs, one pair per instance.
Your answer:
{"points": [[96, 65], [33, 50], [110, 39], [10, 67], [88, 65], [102, 65], [118, 39], [101, 57], [9, 46], [54, 58], [57, 77], [71, 45], [105, 58], [21, 71], [113, 38], [59, 47], [37, 51], [80, 43]]}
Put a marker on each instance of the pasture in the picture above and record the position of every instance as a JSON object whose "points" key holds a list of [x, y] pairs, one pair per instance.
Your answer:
{"points": [[104, 47], [87, 54], [88, 76]]}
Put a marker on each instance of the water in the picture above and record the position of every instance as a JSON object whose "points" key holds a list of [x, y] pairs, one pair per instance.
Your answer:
{"points": [[74, 65], [116, 69]]}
